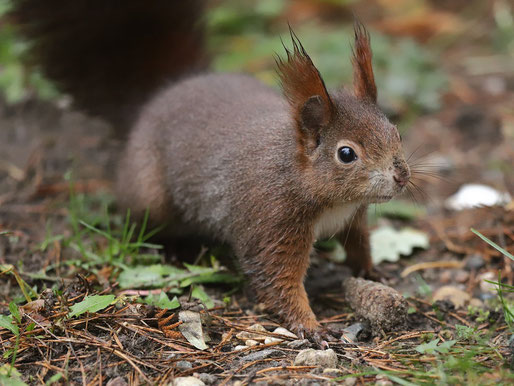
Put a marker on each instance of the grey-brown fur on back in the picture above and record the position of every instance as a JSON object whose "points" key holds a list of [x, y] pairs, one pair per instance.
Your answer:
{"points": [[207, 149]]}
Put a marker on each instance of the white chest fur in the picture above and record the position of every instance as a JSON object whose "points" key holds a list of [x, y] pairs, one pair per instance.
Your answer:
{"points": [[333, 220]]}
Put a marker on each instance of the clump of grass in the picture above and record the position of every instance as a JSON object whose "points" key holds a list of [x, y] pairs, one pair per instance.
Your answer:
{"points": [[99, 238], [501, 288]]}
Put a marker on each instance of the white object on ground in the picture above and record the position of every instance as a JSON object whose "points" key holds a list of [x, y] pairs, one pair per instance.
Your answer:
{"points": [[476, 195]]}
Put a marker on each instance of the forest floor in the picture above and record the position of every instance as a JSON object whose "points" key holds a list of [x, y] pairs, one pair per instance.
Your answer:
{"points": [[85, 298]]}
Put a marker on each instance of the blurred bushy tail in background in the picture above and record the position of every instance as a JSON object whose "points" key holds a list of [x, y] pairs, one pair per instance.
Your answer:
{"points": [[112, 55]]}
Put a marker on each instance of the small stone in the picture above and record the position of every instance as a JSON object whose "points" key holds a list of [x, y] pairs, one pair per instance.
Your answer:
{"points": [[307, 382], [253, 333], [382, 380], [461, 276], [187, 381], [208, 379], [259, 355], [445, 277], [183, 365], [118, 381], [452, 294], [271, 339], [475, 261], [333, 372], [297, 344], [350, 381], [251, 343], [240, 347], [283, 331], [311, 357], [486, 286], [476, 303]]}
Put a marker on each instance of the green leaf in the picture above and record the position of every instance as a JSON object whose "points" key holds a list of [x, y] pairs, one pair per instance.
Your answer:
{"points": [[445, 346], [162, 301], [6, 321], [15, 312], [91, 304], [388, 244], [151, 276], [200, 294], [9, 376], [464, 332], [211, 278], [432, 347], [54, 378], [428, 348], [398, 380]]}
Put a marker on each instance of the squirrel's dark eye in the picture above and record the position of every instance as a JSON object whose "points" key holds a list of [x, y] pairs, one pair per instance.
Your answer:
{"points": [[346, 154]]}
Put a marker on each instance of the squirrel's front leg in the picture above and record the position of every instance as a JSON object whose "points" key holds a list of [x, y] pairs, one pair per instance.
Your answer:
{"points": [[277, 273], [355, 240]]}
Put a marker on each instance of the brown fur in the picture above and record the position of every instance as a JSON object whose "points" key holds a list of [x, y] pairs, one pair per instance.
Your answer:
{"points": [[225, 156], [363, 79], [111, 55]]}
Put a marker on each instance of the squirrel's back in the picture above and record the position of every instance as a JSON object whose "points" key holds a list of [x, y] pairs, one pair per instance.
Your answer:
{"points": [[219, 136]]}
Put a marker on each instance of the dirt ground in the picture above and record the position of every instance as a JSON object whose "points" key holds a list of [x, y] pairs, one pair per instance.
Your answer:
{"points": [[470, 139]]}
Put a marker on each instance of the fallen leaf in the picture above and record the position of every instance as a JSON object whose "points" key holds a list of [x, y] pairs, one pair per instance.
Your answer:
{"points": [[388, 244], [191, 328]]}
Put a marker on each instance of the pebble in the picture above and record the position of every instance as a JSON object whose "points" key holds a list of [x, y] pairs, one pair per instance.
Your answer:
{"points": [[208, 379], [461, 276], [333, 372], [485, 286], [297, 344], [118, 381], [240, 347], [184, 365], [476, 303], [259, 355], [187, 381], [382, 380], [311, 357], [271, 339], [251, 343], [285, 332], [253, 333], [280, 331], [454, 295], [445, 277], [475, 261]]}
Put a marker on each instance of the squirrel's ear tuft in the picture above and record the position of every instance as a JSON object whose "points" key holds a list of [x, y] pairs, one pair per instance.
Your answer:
{"points": [[363, 79], [303, 87]]}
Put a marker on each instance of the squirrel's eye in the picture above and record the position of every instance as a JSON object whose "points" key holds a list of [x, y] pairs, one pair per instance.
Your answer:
{"points": [[346, 154]]}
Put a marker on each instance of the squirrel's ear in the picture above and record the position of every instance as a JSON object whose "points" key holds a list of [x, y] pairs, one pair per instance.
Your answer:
{"points": [[363, 79], [304, 88]]}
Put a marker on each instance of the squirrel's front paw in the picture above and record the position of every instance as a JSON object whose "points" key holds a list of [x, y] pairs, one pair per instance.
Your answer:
{"points": [[319, 335]]}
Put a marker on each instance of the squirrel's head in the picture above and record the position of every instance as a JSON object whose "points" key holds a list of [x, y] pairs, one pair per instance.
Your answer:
{"points": [[344, 141]]}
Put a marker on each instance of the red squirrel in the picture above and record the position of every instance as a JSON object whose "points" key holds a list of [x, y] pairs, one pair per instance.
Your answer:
{"points": [[226, 156]]}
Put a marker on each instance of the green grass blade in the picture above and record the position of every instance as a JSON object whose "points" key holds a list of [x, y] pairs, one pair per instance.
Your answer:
{"points": [[493, 244]]}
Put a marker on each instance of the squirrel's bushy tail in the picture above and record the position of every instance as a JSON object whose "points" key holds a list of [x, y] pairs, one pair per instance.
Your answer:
{"points": [[112, 55]]}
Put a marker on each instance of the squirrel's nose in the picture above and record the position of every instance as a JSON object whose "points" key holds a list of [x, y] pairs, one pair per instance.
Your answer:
{"points": [[401, 178]]}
